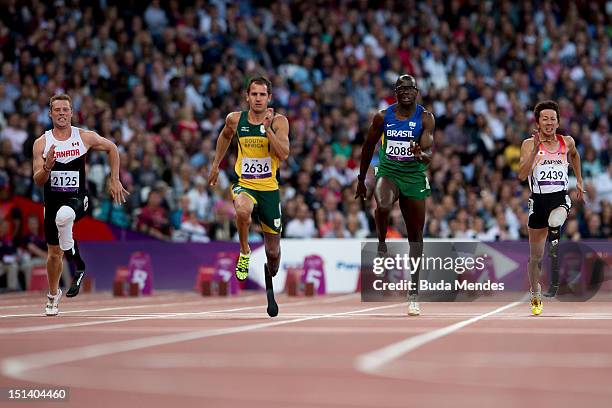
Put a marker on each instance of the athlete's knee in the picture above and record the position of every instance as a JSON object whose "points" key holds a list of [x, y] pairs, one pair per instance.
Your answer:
{"points": [[64, 216], [384, 208], [557, 217], [416, 236], [535, 261], [243, 213], [54, 254], [554, 234], [273, 254]]}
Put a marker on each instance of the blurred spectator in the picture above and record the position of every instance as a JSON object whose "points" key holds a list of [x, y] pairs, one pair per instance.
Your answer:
{"points": [[199, 200], [33, 248], [161, 85], [108, 211], [190, 229], [338, 227], [8, 257], [302, 226], [14, 133], [153, 219]]}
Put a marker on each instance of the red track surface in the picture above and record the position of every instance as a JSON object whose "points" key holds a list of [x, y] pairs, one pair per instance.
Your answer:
{"points": [[181, 350]]}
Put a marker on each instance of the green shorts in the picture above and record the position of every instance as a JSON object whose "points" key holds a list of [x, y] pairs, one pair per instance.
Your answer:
{"points": [[413, 185], [267, 207]]}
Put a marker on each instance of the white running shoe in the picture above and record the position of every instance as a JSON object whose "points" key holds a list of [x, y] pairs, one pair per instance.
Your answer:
{"points": [[413, 307], [52, 307]]}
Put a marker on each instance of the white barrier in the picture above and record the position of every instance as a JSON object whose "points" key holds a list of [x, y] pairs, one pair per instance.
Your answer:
{"points": [[341, 261]]}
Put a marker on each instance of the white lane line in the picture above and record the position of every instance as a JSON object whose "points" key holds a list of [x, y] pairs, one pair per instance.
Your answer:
{"points": [[127, 307], [30, 329], [106, 309], [130, 307], [16, 367], [371, 362], [39, 328], [100, 302]]}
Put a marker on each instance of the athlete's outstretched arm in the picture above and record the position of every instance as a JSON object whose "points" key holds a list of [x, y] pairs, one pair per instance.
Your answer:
{"points": [[367, 151], [278, 134], [528, 154], [223, 142], [574, 159], [422, 151], [41, 168], [97, 142]]}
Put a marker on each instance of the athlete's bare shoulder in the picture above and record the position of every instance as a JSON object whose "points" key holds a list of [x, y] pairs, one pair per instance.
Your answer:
{"points": [[85, 132], [527, 144], [427, 116], [568, 140], [232, 119], [379, 116], [279, 118], [39, 143], [88, 136], [528, 140]]}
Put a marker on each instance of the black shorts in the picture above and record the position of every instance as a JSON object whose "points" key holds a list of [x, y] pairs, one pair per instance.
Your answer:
{"points": [[541, 205], [78, 204]]}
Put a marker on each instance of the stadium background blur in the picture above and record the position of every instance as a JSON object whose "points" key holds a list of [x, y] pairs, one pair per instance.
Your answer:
{"points": [[158, 79]]}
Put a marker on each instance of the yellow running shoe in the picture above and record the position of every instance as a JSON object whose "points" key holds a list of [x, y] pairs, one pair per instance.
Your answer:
{"points": [[242, 267], [536, 303]]}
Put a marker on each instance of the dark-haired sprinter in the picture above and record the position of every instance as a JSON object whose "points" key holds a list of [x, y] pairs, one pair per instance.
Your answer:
{"points": [[263, 141], [545, 158], [407, 130]]}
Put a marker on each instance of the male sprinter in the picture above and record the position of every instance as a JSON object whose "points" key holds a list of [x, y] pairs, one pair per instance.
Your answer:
{"points": [[544, 161], [407, 137], [263, 141], [59, 165]]}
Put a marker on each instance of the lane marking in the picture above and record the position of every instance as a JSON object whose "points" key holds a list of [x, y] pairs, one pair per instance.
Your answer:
{"points": [[106, 309], [47, 327], [16, 367], [371, 362]]}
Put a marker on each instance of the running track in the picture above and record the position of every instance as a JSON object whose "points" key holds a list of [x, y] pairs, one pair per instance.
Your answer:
{"points": [[181, 350]]}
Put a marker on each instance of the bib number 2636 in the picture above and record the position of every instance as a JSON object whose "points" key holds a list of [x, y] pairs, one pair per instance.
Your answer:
{"points": [[254, 168]]}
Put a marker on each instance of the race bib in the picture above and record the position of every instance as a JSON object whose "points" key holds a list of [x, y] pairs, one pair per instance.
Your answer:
{"points": [[65, 181], [253, 168], [399, 150], [550, 176]]}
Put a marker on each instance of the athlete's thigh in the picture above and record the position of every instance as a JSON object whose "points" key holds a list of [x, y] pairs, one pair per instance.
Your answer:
{"points": [[79, 205], [269, 211], [244, 202], [386, 192], [51, 233]]}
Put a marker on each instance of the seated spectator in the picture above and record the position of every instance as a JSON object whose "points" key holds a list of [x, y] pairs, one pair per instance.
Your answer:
{"points": [[8, 257], [153, 219], [338, 227], [302, 226], [190, 229]]}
